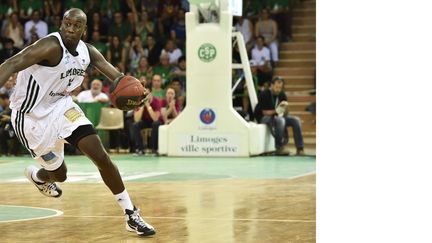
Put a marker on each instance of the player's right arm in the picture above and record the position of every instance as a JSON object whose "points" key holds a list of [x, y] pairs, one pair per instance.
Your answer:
{"points": [[43, 50]]}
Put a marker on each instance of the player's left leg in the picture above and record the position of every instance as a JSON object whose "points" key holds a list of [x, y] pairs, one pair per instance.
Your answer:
{"points": [[89, 143]]}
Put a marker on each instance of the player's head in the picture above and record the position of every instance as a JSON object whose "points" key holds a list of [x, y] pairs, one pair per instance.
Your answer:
{"points": [[74, 25], [277, 84]]}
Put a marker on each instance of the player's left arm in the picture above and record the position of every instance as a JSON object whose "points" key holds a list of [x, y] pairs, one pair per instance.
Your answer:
{"points": [[99, 61]]}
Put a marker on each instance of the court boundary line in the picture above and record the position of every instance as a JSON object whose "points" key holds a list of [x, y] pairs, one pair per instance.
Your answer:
{"points": [[185, 218], [58, 213]]}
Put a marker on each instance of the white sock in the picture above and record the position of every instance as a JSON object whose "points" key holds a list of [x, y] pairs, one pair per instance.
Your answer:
{"points": [[124, 201], [35, 178]]}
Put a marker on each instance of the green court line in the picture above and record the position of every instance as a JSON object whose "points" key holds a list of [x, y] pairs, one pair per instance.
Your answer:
{"points": [[147, 168]]}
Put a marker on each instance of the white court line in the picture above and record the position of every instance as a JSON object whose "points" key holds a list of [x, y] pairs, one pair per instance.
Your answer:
{"points": [[187, 218], [144, 175], [58, 213], [302, 175]]}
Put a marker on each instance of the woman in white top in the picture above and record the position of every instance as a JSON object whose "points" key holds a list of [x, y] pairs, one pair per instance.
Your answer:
{"points": [[15, 30], [267, 28]]}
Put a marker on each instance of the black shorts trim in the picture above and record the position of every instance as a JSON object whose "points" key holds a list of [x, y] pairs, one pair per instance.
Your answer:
{"points": [[79, 133]]}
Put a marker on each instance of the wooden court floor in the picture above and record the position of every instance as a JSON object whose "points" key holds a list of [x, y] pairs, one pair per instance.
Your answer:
{"points": [[215, 210]]}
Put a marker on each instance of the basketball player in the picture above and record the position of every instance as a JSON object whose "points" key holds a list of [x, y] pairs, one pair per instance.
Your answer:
{"points": [[45, 117]]}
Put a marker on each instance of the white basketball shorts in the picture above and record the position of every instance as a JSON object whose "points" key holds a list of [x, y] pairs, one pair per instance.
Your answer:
{"points": [[45, 136]]}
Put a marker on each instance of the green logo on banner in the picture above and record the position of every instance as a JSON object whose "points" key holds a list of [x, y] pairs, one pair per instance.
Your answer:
{"points": [[207, 52]]}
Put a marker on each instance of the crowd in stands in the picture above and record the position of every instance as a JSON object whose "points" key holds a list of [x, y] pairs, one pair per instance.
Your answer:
{"points": [[145, 39]]}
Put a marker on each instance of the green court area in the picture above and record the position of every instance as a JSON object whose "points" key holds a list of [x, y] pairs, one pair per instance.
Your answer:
{"points": [[146, 168], [12, 213]]}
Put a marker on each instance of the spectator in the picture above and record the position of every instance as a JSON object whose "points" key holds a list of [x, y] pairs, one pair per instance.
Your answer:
{"points": [[15, 30], [261, 56], [268, 28], [120, 28], [143, 25], [251, 9], [156, 86], [55, 25], [9, 86], [94, 94], [116, 54], [281, 10], [8, 49], [7, 8], [179, 71], [167, 10], [173, 52], [96, 42], [52, 9], [34, 37], [245, 27], [164, 69], [35, 26], [6, 130], [147, 116], [97, 24], [178, 29], [179, 91], [152, 50], [170, 107], [108, 7], [28, 7], [272, 109], [144, 70], [136, 51]]}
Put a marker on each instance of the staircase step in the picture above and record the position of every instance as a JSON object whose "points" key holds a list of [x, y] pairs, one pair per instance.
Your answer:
{"points": [[304, 29], [306, 71], [297, 79], [288, 46], [307, 5], [304, 37], [304, 20], [298, 106], [297, 54], [299, 87], [304, 98], [296, 63], [304, 12]]}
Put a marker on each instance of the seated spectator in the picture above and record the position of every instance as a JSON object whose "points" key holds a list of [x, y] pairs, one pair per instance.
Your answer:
{"points": [[9, 86], [97, 24], [179, 71], [164, 68], [98, 44], [120, 28], [147, 116], [94, 94], [178, 29], [116, 54], [6, 130], [178, 87], [152, 50], [268, 28], [136, 51], [8, 49], [173, 52], [35, 26], [143, 26], [272, 109], [144, 69], [15, 31], [170, 107], [55, 25], [261, 56], [28, 7], [245, 27], [281, 11], [156, 86]]}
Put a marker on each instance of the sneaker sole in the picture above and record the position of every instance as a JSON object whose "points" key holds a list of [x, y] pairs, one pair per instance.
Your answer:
{"points": [[128, 228]]}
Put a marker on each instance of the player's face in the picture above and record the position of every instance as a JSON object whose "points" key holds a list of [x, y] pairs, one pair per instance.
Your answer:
{"points": [[72, 28]]}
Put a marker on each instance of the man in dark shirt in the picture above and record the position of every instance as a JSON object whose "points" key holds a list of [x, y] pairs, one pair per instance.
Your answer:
{"points": [[272, 110], [6, 130]]}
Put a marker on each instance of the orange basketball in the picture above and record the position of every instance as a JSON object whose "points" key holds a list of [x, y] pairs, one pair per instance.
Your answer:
{"points": [[126, 93]]}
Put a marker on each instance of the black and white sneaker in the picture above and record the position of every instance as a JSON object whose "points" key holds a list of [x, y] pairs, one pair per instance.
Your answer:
{"points": [[49, 189], [135, 223]]}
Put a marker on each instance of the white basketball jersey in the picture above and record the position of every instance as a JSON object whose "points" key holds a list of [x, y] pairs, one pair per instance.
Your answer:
{"points": [[40, 88]]}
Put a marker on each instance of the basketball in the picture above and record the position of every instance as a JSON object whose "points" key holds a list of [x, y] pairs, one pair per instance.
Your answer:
{"points": [[126, 93]]}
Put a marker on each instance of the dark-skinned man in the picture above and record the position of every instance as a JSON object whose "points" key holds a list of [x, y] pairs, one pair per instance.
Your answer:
{"points": [[45, 117]]}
